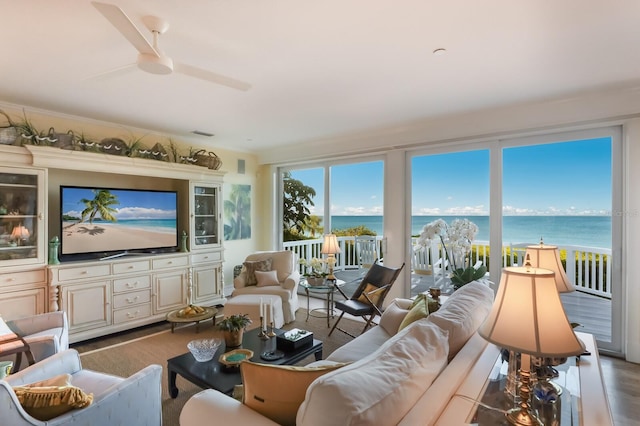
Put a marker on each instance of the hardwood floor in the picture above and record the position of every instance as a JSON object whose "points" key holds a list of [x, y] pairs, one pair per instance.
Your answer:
{"points": [[622, 380]]}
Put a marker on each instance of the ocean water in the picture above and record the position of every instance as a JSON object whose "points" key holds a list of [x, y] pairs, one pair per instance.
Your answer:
{"points": [[156, 225], [590, 231]]}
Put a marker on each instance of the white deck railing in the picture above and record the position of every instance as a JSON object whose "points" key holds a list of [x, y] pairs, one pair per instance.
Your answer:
{"points": [[589, 273]]}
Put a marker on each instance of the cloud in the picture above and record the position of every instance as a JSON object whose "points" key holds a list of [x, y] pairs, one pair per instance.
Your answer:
{"points": [[144, 213]]}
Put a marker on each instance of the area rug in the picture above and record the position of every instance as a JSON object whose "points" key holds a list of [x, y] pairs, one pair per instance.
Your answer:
{"points": [[124, 356]]}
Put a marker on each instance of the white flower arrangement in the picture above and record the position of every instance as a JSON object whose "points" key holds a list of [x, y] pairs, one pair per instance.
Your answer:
{"points": [[315, 267], [456, 239]]}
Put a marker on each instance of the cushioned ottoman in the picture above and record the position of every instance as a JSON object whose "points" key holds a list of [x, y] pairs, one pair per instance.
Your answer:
{"points": [[250, 304]]}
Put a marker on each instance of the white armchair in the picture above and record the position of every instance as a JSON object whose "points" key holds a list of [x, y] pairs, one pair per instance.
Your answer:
{"points": [[135, 400], [284, 263], [47, 334]]}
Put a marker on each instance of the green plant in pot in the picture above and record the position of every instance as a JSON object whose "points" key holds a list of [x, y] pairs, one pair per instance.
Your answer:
{"points": [[233, 328]]}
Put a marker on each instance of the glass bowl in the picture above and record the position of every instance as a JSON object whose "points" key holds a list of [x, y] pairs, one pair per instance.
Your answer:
{"points": [[204, 349]]}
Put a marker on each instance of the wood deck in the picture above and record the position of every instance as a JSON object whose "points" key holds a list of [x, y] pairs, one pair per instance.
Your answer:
{"points": [[593, 313]]}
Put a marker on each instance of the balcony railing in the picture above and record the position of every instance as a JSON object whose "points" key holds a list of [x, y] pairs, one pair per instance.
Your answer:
{"points": [[590, 272]]}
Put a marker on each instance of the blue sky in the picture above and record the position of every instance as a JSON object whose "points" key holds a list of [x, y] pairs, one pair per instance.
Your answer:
{"points": [[133, 204], [569, 178]]}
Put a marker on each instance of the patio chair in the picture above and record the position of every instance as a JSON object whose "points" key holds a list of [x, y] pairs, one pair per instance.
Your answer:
{"points": [[366, 252], [368, 298]]}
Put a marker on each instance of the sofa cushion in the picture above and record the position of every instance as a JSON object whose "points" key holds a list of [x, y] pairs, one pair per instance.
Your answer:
{"points": [[252, 266], [276, 391], [392, 317], [266, 278], [50, 398], [462, 313], [381, 388], [419, 310], [362, 346]]}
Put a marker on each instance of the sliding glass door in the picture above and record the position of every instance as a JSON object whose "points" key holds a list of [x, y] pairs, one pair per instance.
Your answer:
{"points": [[562, 189]]}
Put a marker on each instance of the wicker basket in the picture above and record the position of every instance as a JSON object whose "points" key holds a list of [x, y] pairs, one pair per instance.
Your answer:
{"points": [[8, 135], [210, 159]]}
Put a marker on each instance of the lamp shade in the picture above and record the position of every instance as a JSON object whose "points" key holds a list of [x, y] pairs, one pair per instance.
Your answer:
{"points": [[548, 257], [527, 315], [330, 245], [20, 232]]}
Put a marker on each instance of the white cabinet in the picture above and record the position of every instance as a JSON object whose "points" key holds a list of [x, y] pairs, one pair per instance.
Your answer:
{"points": [[22, 208], [205, 215], [206, 275], [23, 233], [170, 291], [87, 305]]}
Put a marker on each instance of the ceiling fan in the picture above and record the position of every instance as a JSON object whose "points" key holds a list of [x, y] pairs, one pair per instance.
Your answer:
{"points": [[151, 59]]}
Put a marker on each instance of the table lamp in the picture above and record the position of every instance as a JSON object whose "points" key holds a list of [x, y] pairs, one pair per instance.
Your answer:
{"points": [[527, 317], [20, 233], [330, 247], [548, 257]]}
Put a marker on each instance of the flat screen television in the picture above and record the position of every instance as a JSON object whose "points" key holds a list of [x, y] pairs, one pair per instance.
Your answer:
{"points": [[110, 222]]}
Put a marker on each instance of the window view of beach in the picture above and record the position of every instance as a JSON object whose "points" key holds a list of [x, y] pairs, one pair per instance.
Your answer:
{"points": [[556, 192], [100, 220]]}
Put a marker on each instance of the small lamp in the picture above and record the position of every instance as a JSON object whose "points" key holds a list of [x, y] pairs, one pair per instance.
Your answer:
{"points": [[20, 233], [527, 317], [330, 247], [548, 257]]}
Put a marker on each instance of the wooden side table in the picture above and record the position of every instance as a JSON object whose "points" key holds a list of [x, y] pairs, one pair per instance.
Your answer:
{"points": [[12, 344], [208, 313]]}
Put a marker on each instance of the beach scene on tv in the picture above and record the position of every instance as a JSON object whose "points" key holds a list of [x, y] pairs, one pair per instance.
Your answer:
{"points": [[106, 220]]}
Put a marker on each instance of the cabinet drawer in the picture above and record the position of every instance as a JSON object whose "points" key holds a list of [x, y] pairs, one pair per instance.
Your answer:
{"points": [[171, 262], [206, 257], [131, 283], [27, 277], [125, 268], [133, 298], [83, 272], [131, 314]]}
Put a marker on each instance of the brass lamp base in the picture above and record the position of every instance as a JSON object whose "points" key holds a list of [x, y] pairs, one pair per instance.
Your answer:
{"points": [[520, 417]]}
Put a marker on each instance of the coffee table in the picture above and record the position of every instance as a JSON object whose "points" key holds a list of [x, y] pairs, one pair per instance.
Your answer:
{"points": [[213, 375]]}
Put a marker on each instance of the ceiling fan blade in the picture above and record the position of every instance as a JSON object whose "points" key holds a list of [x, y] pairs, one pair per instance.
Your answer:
{"points": [[121, 21], [209, 76], [122, 70]]}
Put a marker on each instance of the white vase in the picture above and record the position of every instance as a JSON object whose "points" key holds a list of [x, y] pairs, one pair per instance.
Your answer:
{"points": [[315, 281]]}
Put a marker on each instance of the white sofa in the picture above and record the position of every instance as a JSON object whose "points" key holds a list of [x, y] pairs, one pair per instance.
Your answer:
{"points": [[284, 263], [394, 377]]}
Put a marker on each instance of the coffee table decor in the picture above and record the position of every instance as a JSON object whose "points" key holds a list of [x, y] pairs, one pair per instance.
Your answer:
{"points": [[232, 359], [204, 349], [294, 339]]}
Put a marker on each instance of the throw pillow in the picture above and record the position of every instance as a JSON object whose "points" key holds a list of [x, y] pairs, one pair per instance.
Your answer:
{"points": [[462, 313], [382, 387], [252, 266], [373, 292], [276, 391], [432, 303], [419, 310], [50, 398], [392, 317], [267, 278]]}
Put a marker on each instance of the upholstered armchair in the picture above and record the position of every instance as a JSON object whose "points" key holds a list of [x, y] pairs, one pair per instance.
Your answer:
{"points": [[46, 334], [135, 400], [283, 282]]}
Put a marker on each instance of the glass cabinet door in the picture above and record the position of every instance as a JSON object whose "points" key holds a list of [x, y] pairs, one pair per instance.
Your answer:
{"points": [[22, 232], [205, 215]]}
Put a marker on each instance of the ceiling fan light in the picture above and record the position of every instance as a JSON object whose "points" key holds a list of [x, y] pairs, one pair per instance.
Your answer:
{"points": [[155, 64]]}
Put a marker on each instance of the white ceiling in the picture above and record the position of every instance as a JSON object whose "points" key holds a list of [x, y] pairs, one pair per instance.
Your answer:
{"points": [[318, 69]]}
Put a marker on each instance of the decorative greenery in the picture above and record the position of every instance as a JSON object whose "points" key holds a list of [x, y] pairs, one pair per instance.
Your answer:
{"points": [[29, 135], [234, 322]]}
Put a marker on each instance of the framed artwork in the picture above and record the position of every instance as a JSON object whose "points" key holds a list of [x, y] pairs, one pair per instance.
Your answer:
{"points": [[237, 212]]}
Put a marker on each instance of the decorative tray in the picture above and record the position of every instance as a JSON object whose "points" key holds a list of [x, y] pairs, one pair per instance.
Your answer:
{"points": [[235, 357]]}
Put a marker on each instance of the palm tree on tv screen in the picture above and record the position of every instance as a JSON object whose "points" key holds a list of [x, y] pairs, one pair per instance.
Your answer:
{"points": [[101, 204]]}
